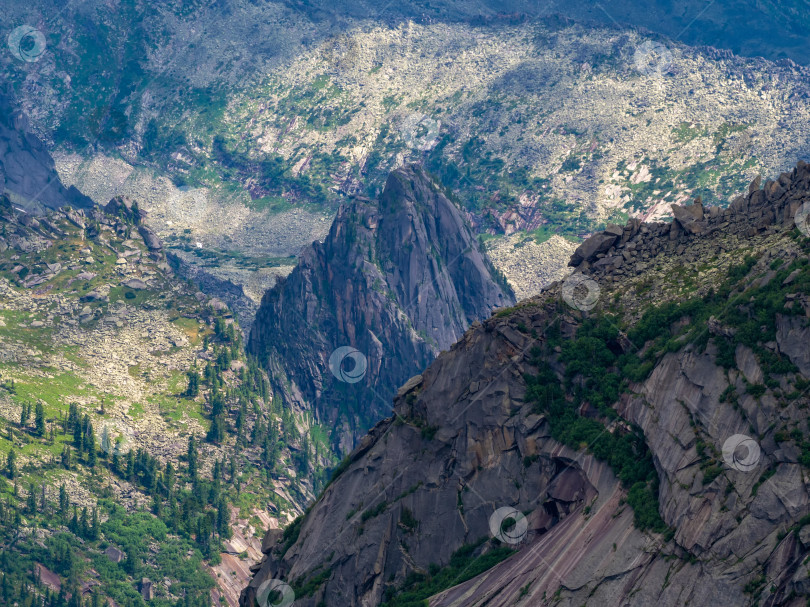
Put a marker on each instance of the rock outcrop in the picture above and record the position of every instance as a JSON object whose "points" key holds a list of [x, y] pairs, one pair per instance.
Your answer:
{"points": [[394, 283], [468, 436], [27, 172]]}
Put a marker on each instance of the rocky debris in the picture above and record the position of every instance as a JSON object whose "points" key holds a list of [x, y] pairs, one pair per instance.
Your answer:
{"points": [[487, 447], [100, 294], [219, 288], [551, 78], [595, 245], [135, 284], [242, 552], [529, 266], [49, 578], [114, 554], [146, 588], [150, 238], [695, 231], [399, 280], [125, 208]]}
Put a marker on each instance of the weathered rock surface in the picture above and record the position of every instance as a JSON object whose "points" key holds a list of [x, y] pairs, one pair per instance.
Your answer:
{"points": [[464, 441], [399, 280], [27, 172]]}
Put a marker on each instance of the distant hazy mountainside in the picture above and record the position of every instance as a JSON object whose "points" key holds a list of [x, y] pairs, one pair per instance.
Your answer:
{"points": [[534, 122], [782, 26], [636, 435], [397, 281]]}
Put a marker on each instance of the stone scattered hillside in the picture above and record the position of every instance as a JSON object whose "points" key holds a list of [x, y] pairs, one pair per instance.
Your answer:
{"points": [[530, 265], [97, 331], [535, 123], [634, 435], [395, 282]]}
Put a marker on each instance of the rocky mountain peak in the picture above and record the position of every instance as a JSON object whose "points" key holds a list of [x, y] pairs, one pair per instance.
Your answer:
{"points": [[395, 282], [27, 172], [642, 424]]}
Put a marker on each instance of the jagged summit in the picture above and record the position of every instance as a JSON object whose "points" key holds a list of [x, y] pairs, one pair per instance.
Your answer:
{"points": [[398, 280], [651, 443], [620, 251]]}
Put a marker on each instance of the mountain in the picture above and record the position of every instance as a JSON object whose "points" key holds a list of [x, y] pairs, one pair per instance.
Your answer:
{"points": [[781, 31], [394, 283], [131, 418], [27, 172], [245, 136], [634, 435]]}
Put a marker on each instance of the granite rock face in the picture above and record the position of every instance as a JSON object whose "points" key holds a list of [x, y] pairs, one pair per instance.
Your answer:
{"points": [[27, 172], [465, 440], [397, 281]]}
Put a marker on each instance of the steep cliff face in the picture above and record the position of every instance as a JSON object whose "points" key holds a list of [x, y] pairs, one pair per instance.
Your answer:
{"points": [[644, 423], [27, 172], [394, 283]]}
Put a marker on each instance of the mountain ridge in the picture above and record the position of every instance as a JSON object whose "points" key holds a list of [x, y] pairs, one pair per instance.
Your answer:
{"points": [[674, 351], [393, 283]]}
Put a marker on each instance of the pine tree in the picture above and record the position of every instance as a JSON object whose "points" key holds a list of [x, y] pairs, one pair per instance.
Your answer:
{"points": [[84, 527], [40, 419], [193, 388], [31, 502], [77, 435], [87, 429], [64, 502], [92, 456], [193, 456], [106, 445], [131, 466], [168, 479], [216, 434], [67, 457], [24, 415], [73, 525], [94, 525], [11, 465], [73, 415], [223, 520]]}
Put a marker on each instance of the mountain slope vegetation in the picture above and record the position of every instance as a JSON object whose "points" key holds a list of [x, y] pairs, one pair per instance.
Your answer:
{"points": [[608, 426]]}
